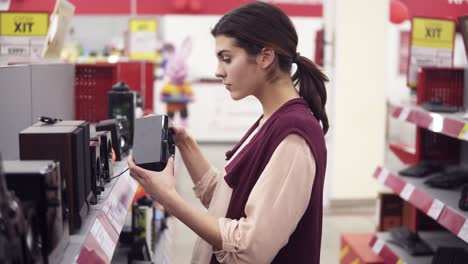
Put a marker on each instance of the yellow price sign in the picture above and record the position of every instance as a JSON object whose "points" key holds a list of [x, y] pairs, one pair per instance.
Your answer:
{"points": [[433, 33], [24, 24], [143, 25]]}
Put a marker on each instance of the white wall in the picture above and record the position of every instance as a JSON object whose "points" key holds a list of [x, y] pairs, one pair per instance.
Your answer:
{"points": [[359, 104], [214, 116], [202, 61]]}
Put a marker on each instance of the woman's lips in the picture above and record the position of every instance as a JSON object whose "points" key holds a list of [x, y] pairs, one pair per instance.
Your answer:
{"points": [[228, 87]]}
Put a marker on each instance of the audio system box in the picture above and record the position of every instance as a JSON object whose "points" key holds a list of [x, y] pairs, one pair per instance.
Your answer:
{"points": [[63, 144], [38, 185]]}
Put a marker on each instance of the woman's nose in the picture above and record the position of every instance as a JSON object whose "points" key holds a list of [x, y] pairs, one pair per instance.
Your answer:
{"points": [[219, 72]]}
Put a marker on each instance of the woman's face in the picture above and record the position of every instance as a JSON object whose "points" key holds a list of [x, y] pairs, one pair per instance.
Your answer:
{"points": [[239, 72]]}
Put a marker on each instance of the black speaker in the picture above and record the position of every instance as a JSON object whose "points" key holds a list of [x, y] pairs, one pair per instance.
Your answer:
{"points": [[63, 144], [106, 153], [38, 185], [122, 102], [113, 126], [86, 139], [97, 169], [13, 227], [153, 142], [125, 136]]}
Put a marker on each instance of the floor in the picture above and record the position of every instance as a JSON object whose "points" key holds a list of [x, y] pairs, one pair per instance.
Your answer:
{"points": [[179, 240]]}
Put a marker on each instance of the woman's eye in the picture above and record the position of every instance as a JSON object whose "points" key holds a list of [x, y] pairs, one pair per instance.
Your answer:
{"points": [[227, 60]]}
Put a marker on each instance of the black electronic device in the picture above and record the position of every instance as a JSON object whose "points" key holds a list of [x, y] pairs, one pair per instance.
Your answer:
{"points": [[66, 145], [106, 153], [41, 200], [125, 135], [422, 169], [122, 102], [97, 169], [463, 201], [112, 125], [13, 227], [450, 255], [86, 153], [153, 142], [437, 105], [449, 179], [409, 241]]}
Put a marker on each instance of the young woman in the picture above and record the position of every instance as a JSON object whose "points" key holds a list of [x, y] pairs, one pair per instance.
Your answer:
{"points": [[266, 205]]}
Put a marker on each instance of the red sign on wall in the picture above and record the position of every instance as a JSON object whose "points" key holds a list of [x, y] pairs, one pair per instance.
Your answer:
{"points": [[110, 7], [309, 8], [437, 8]]}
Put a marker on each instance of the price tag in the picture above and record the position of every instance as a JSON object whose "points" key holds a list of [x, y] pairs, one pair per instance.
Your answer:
{"points": [[103, 239], [383, 175], [378, 245], [463, 233], [405, 111], [436, 209], [464, 133], [407, 191]]}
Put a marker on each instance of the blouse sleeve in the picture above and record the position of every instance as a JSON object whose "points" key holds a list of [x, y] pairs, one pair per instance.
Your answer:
{"points": [[275, 206], [205, 187]]}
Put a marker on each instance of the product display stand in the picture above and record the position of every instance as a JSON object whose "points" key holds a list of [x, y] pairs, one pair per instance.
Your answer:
{"points": [[439, 204], [98, 236]]}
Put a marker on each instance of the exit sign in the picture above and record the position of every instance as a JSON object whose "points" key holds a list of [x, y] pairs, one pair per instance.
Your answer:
{"points": [[24, 24]]}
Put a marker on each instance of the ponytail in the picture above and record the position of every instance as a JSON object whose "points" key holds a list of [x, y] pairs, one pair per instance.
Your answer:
{"points": [[311, 82]]}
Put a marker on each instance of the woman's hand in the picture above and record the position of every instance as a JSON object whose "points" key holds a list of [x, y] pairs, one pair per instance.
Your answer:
{"points": [[158, 184], [181, 135]]}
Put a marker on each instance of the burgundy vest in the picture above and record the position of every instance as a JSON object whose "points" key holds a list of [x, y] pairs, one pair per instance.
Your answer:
{"points": [[243, 172]]}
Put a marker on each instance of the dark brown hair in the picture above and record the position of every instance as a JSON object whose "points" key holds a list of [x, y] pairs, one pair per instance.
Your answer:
{"points": [[257, 25]]}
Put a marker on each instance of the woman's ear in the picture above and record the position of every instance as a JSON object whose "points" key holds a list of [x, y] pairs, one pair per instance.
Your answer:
{"points": [[266, 57]]}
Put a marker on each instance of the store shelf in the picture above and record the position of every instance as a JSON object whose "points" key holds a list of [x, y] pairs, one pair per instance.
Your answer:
{"points": [[441, 205], [97, 239], [392, 254], [452, 125]]}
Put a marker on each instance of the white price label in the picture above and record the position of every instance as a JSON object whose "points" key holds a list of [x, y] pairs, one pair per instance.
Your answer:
{"points": [[436, 209], [378, 245], [463, 233], [404, 114], [407, 191], [383, 175], [103, 239]]}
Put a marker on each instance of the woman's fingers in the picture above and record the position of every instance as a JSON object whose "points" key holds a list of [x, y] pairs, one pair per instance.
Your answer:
{"points": [[140, 172], [170, 165]]}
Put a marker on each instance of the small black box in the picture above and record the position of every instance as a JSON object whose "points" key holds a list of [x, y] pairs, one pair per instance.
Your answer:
{"points": [[153, 142]]}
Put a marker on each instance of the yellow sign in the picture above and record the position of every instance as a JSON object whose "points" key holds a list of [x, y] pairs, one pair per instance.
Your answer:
{"points": [[24, 24], [433, 33], [143, 25]]}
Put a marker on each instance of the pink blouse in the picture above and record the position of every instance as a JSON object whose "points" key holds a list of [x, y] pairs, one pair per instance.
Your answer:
{"points": [[275, 206]]}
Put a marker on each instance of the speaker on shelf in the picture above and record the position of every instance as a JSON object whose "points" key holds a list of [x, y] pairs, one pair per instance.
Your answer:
{"points": [[13, 246], [97, 169], [41, 200], [105, 149], [122, 102], [113, 126], [80, 124], [66, 145]]}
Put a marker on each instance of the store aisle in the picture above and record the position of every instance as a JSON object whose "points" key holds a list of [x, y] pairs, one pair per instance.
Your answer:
{"points": [[336, 221]]}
